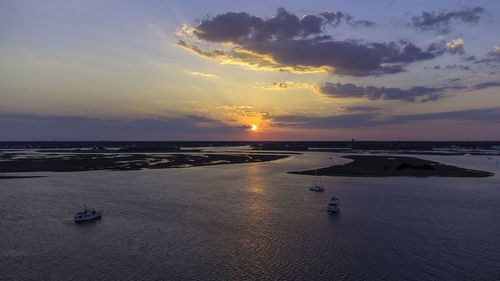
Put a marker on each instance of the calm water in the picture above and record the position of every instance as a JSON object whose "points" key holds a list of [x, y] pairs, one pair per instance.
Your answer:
{"points": [[252, 221]]}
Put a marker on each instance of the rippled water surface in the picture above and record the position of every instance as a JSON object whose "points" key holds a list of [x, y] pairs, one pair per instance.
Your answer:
{"points": [[252, 221]]}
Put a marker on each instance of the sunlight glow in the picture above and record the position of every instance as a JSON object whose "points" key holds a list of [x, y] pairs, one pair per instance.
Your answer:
{"points": [[254, 127]]}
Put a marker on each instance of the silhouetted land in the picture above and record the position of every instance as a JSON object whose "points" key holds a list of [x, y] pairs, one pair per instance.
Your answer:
{"points": [[456, 147], [118, 161], [391, 166], [19, 177]]}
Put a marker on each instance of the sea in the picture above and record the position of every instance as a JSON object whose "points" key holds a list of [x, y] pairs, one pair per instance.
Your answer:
{"points": [[252, 222]]}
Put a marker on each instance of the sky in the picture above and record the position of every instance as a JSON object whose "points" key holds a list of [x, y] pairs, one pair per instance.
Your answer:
{"points": [[249, 70]]}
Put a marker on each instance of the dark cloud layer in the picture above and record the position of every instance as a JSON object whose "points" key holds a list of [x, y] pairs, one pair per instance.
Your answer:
{"points": [[485, 85], [349, 90], [362, 120], [453, 66], [441, 21], [360, 108], [338, 121], [300, 43], [240, 27], [483, 115], [413, 94], [43, 127]]}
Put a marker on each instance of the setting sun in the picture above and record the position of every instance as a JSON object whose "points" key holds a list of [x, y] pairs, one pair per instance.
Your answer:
{"points": [[254, 127]]}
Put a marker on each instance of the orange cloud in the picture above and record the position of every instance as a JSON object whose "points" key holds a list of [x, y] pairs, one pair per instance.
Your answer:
{"points": [[251, 60], [202, 74]]}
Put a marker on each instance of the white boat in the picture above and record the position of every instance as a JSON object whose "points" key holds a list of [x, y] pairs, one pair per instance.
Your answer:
{"points": [[87, 215], [333, 204]]}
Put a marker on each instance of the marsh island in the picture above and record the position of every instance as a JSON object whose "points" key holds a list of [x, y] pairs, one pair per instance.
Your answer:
{"points": [[393, 166]]}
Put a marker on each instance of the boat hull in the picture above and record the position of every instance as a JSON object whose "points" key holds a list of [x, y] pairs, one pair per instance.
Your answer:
{"points": [[93, 217], [333, 210], [316, 188], [333, 205]]}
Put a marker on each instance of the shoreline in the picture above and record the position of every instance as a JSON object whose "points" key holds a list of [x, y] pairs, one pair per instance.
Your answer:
{"points": [[20, 177]]}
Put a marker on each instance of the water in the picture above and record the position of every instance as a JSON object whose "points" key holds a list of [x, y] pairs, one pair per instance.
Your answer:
{"points": [[252, 221]]}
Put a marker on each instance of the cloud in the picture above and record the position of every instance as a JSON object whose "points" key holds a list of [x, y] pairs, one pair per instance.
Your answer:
{"points": [[284, 84], [441, 22], [453, 66], [239, 27], [456, 47], [278, 85], [46, 127], [252, 60], [337, 121], [407, 52], [202, 74], [493, 81], [359, 108], [491, 57], [335, 18], [287, 42], [470, 58], [484, 115], [485, 85], [495, 52], [363, 120], [349, 90], [413, 94], [365, 23], [234, 27]]}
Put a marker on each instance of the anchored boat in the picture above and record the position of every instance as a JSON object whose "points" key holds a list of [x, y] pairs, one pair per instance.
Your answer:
{"points": [[316, 187], [333, 204], [87, 215]]}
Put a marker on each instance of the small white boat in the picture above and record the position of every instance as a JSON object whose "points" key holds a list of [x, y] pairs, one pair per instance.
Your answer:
{"points": [[87, 215], [316, 188], [333, 204]]}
